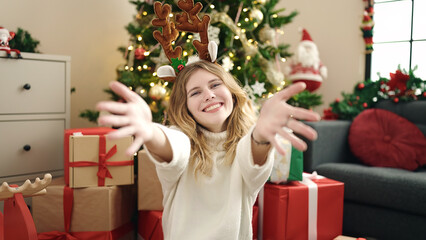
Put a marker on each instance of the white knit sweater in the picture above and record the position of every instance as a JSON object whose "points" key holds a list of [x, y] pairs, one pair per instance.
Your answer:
{"points": [[217, 207]]}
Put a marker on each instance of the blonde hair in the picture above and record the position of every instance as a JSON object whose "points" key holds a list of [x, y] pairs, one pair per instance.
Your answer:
{"points": [[237, 125]]}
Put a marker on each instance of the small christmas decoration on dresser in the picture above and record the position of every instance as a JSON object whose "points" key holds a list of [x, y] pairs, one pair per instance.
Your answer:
{"points": [[5, 37]]}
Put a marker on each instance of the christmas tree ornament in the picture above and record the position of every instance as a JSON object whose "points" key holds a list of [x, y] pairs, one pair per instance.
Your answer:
{"points": [[227, 63], [250, 93], [5, 37], [157, 92], [258, 88], [275, 77], [361, 86], [306, 66], [256, 14], [140, 53], [141, 91], [153, 106], [398, 82], [165, 102], [267, 34]]}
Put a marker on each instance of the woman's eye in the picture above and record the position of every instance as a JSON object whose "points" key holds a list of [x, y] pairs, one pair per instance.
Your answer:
{"points": [[194, 93], [216, 85]]}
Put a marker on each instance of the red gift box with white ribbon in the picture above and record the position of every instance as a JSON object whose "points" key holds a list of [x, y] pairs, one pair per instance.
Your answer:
{"points": [[311, 209]]}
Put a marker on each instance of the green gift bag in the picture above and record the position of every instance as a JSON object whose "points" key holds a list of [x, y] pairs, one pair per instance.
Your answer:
{"points": [[288, 167]]}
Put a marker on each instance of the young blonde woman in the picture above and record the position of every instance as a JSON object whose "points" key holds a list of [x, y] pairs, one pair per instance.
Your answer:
{"points": [[216, 156]]}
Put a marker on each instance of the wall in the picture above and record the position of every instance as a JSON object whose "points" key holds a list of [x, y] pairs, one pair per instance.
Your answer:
{"points": [[335, 28], [91, 31]]}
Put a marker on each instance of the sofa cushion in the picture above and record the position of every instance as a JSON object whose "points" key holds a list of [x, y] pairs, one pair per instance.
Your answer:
{"points": [[392, 188], [382, 138]]}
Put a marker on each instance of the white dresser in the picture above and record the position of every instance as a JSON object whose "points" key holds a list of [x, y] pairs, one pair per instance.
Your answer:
{"points": [[34, 112]]}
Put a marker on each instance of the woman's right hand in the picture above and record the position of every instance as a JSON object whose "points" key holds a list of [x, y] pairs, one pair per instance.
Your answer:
{"points": [[133, 117]]}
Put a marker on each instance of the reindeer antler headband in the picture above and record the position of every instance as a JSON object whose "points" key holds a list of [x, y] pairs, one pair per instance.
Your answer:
{"points": [[187, 21]]}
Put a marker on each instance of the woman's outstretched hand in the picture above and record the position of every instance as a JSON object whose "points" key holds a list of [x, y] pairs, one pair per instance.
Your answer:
{"points": [[277, 114], [133, 117]]}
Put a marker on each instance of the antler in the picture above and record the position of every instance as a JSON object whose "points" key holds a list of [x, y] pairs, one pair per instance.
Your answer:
{"points": [[197, 26], [169, 34], [27, 189]]}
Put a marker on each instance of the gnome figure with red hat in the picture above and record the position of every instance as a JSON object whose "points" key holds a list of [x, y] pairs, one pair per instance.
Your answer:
{"points": [[5, 37], [306, 65]]}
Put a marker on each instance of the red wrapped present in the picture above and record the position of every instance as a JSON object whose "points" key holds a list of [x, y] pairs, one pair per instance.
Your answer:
{"points": [[92, 160], [149, 224], [94, 213], [301, 210]]}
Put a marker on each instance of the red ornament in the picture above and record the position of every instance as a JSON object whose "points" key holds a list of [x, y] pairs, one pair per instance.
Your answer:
{"points": [[424, 94], [337, 100], [361, 86], [365, 105], [140, 53], [398, 80], [329, 114], [357, 97], [396, 100], [180, 67]]}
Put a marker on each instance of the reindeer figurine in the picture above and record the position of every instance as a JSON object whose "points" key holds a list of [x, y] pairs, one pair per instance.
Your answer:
{"points": [[5, 37], [17, 222]]}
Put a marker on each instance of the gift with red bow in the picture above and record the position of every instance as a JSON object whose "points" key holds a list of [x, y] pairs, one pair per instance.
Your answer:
{"points": [[91, 159]]}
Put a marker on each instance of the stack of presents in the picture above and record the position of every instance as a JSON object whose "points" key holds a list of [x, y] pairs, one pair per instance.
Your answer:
{"points": [[96, 198]]}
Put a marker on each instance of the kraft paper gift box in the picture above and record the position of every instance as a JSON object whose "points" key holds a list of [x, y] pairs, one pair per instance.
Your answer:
{"points": [[301, 210], [94, 213], [150, 224], [94, 160], [150, 195]]}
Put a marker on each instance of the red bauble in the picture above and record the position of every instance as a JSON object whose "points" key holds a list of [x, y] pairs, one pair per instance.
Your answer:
{"points": [[365, 105], [361, 86], [396, 100], [140, 53]]}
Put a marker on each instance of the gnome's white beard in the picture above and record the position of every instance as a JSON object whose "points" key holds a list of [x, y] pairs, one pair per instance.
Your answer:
{"points": [[308, 55]]}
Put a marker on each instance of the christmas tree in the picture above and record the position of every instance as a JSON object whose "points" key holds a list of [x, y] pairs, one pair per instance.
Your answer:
{"points": [[247, 35]]}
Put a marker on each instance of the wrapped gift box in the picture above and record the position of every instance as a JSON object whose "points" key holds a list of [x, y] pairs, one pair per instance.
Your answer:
{"points": [[150, 227], [290, 211], [93, 213], [92, 160], [288, 167], [150, 195]]}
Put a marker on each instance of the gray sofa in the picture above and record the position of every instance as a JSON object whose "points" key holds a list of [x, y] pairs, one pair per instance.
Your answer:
{"points": [[380, 203]]}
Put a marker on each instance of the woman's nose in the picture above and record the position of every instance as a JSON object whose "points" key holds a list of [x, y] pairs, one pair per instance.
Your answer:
{"points": [[209, 95]]}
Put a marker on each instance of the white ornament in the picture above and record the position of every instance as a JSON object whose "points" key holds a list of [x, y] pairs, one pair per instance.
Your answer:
{"points": [[227, 64], [256, 14], [161, 59], [249, 92], [267, 34], [261, 1], [258, 88]]}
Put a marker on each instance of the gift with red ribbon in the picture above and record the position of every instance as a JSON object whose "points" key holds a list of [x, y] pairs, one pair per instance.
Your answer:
{"points": [[311, 209], [95, 213], [150, 224], [93, 160]]}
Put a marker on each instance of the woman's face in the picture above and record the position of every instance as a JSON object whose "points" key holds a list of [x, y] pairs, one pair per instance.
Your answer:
{"points": [[208, 100]]}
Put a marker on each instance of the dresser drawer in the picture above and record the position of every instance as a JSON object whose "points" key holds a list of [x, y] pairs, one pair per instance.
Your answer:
{"points": [[45, 139], [45, 83]]}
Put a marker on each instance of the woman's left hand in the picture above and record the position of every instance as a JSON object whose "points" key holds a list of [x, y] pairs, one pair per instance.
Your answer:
{"points": [[276, 115]]}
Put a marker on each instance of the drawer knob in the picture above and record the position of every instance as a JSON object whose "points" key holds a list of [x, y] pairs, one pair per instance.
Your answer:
{"points": [[27, 86], [27, 147]]}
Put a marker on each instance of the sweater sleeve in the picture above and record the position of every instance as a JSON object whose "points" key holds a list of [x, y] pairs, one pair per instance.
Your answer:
{"points": [[254, 175], [170, 172]]}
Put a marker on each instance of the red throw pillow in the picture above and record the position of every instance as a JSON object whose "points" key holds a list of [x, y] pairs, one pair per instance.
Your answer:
{"points": [[384, 139]]}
